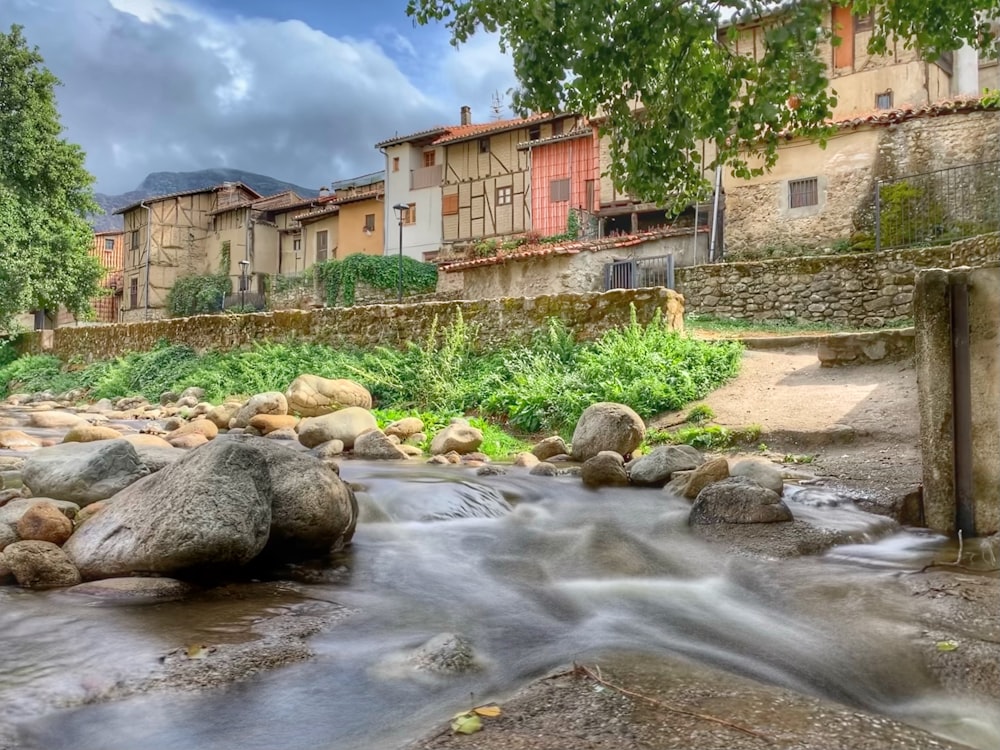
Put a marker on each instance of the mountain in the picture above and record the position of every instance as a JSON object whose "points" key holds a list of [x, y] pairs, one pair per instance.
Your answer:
{"points": [[161, 183]]}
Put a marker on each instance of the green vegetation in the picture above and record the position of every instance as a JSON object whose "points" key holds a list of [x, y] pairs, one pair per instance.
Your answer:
{"points": [[542, 385], [709, 437], [198, 295], [340, 277], [45, 194]]}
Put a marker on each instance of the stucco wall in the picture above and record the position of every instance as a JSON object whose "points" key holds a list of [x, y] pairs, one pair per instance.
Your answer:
{"points": [[498, 321], [857, 290]]}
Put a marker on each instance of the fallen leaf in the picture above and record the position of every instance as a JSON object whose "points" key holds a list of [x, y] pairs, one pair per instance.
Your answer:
{"points": [[196, 651], [947, 645], [468, 723], [491, 711]]}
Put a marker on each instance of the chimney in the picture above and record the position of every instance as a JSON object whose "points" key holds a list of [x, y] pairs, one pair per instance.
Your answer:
{"points": [[324, 192], [466, 116]]}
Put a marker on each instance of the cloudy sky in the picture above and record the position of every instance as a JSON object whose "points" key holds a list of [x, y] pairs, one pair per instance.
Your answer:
{"points": [[296, 89]]}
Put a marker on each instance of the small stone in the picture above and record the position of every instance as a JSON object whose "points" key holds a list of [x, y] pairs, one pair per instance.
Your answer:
{"points": [[88, 433], [549, 447], [606, 469], [191, 440], [714, 470], [44, 522], [40, 565], [544, 469], [526, 460]]}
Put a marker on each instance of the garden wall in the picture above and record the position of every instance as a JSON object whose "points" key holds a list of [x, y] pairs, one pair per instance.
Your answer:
{"points": [[865, 290], [499, 321]]}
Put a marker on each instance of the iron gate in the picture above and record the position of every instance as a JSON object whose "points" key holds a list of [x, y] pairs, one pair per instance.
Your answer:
{"points": [[637, 273]]}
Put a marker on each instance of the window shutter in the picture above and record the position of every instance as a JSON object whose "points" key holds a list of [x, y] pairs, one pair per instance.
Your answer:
{"points": [[449, 204]]}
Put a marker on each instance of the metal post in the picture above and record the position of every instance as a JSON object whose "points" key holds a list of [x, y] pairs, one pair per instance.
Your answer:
{"points": [[878, 215], [401, 259], [961, 373]]}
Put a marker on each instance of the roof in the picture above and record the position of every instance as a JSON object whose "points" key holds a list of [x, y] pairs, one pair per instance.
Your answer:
{"points": [[182, 193], [458, 133], [421, 135], [363, 181], [957, 105], [318, 213], [570, 247], [580, 131], [105, 232], [279, 201]]}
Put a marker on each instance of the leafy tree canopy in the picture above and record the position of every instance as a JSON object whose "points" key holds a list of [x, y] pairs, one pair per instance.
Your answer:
{"points": [[45, 193], [605, 57]]}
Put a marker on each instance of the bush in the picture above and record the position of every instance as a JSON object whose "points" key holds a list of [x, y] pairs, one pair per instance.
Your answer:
{"points": [[198, 295], [340, 277]]}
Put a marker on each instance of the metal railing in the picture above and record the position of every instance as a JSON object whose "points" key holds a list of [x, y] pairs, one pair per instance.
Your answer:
{"points": [[639, 273], [934, 208]]}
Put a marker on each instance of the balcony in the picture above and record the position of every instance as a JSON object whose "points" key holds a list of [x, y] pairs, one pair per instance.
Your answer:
{"points": [[426, 177]]}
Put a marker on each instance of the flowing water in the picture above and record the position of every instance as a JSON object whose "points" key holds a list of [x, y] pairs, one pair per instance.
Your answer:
{"points": [[557, 574]]}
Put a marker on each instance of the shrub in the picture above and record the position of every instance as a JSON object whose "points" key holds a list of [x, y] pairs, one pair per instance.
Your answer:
{"points": [[340, 277], [198, 295]]}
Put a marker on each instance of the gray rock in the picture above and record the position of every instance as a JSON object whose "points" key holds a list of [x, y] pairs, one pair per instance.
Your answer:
{"points": [[738, 500], [7, 535], [11, 513], [678, 483], [656, 468], [375, 445], [606, 469], [607, 427], [156, 457], [40, 565], [272, 402], [83, 472], [285, 433], [210, 508], [129, 403], [764, 473], [458, 437], [344, 425], [193, 392], [549, 447], [329, 449], [693, 452], [490, 471], [100, 406], [543, 469], [168, 397], [405, 428], [134, 589], [446, 654], [187, 402]]}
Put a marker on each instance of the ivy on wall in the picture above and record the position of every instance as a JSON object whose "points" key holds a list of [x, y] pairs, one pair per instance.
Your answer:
{"points": [[199, 295], [340, 277]]}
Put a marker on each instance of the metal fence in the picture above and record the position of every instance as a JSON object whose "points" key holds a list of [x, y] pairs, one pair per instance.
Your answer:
{"points": [[934, 208], [638, 273], [244, 301]]}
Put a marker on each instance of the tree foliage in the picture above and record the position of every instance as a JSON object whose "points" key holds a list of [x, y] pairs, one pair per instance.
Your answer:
{"points": [[45, 193], [607, 57]]}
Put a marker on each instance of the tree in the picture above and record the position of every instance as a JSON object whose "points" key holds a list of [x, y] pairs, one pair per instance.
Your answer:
{"points": [[45, 193], [607, 57]]}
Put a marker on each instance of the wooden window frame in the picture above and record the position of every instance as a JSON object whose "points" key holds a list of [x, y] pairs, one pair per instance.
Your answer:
{"points": [[369, 222], [410, 217], [505, 195], [449, 205], [883, 99], [559, 190], [109, 244], [534, 132], [134, 240], [803, 193], [322, 254], [133, 293], [484, 145], [395, 164], [430, 158]]}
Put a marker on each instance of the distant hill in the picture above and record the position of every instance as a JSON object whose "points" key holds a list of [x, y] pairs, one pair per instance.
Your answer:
{"points": [[161, 183]]}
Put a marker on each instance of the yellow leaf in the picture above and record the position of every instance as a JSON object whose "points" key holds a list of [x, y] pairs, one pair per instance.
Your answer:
{"points": [[947, 645], [196, 651], [466, 723], [490, 711]]}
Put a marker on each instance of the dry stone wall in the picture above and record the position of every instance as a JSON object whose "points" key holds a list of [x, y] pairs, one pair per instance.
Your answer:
{"points": [[866, 290], [499, 321]]}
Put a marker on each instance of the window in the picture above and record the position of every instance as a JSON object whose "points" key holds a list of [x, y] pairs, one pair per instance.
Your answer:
{"points": [[505, 196], [410, 217], [297, 246], [429, 158], [484, 145], [134, 241], [883, 100], [133, 293], [322, 245], [369, 222], [557, 127], [109, 244], [534, 132], [395, 164], [864, 23], [843, 27], [803, 193], [559, 190], [449, 204]]}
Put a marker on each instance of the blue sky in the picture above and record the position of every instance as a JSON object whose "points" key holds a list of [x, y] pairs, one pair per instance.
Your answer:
{"points": [[296, 89]]}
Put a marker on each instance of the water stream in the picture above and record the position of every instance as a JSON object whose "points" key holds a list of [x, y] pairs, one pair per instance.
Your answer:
{"points": [[566, 574]]}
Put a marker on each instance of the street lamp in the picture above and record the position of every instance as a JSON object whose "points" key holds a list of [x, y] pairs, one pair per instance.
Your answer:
{"points": [[401, 210], [244, 265]]}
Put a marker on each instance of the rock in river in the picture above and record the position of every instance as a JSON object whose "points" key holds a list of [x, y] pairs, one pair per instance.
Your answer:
{"points": [[83, 472], [738, 500], [607, 427]]}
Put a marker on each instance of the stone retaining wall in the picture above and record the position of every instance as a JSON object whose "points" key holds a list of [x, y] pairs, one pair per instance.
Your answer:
{"points": [[864, 290], [499, 321], [865, 348]]}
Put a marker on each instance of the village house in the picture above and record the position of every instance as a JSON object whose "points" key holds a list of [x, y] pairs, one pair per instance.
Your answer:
{"points": [[109, 248], [361, 205]]}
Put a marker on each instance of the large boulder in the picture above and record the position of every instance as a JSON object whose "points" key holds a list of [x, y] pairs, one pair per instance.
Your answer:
{"points": [[212, 508], [44, 522], [222, 415], [459, 437], [375, 445], [606, 469], [714, 470], [83, 472], [268, 423], [764, 473], [205, 427], [405, 428], [16, 440], [656, 468], [271, 402], [313, 396], [88, 433], [738, 500], [156, 456], [344, 425], [607, 427], [7, 535], [40, 565]]}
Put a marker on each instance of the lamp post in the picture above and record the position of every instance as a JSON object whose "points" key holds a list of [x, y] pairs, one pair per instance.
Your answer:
{"points": [[401, 209], [244, 265]]}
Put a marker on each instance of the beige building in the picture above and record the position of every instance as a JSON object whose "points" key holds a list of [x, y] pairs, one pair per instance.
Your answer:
{"points": [[360, 204]]}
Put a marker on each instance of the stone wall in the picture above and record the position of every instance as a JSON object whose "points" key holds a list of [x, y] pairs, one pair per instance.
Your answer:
{"points": [[865, 290], [498, 321]]}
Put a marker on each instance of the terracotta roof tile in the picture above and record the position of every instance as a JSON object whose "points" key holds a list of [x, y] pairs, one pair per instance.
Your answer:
{"points": [[457, 133], [580, 131], [955, 105]]}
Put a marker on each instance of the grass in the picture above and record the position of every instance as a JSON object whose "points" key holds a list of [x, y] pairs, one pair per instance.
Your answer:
{"points": [[539, 386], [707, 437], [790, 325]]}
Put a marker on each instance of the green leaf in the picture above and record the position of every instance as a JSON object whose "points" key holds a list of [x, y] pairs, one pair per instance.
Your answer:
{"points": [[947, 645], [466, 723]]}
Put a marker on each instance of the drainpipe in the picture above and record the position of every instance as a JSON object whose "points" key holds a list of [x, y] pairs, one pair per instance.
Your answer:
{"points": [[385, 209], [149, 252], [715, 215]]}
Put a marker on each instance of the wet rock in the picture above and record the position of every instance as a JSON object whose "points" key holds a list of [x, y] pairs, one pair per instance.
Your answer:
{"points": [[189, 441], [446, 654], [285, 433], [267, 423], [157, 457], [211, 508], [526, 460], [544, 469], [314, 396], [405, 428], [375, 445], [607, 427], [134, 589], [12, 511], [204, 427], [55, 419], [738, 500], [490, 471], [549, 447], [656, 468], [83, 472], [438, 460], [44, 522], [222, 415], [101, 406], [606, 469], [11, 463], [7, 535], [15, 440], [457, 437], [271, 402], [764, 473], [6, 576], [344, 425], [88, 433], [713, 470], [329, 449], [678, 483], [40, 565], [131, 403]]}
